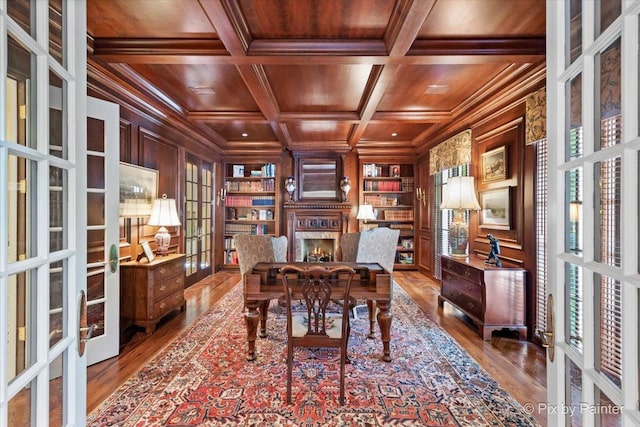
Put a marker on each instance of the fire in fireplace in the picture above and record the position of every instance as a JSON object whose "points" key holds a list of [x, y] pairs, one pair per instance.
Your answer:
{"points": [[318, 250]]}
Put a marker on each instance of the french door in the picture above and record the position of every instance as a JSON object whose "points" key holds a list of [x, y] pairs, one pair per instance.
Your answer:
{"points": [[43, 212], [593, 269], [198, 227]]}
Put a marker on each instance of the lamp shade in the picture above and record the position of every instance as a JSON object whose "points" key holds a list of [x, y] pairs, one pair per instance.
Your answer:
{"points": [[164, 212], [365, 212], [460, 193]]}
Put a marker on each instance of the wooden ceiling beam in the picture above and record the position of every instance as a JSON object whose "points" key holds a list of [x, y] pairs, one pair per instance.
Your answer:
{"points": [[404, 25]]}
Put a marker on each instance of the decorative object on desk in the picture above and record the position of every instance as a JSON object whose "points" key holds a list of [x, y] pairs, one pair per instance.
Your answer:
{"points": [[146, 251], [221, 196], [421, 195], [163, 214], [495, 205], [494, 165], [345, 186], [457, 390], [138, 189], [494, 244], [290, 186], [460, 195]]}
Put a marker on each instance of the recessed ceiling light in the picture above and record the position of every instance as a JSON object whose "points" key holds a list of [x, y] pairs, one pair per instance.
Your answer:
{"points": [[437, 89], [244, 134], [394, 134], [202, 90]]}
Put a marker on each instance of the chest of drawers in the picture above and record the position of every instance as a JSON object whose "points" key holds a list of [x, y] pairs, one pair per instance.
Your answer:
{"points": [[151, 290], [493, 297]]}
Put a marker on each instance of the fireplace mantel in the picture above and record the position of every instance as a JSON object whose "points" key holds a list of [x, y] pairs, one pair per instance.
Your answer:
{"points": [[322, 218]]}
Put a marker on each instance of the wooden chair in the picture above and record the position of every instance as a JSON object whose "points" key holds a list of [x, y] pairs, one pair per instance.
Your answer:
{"points": [[308, 293]]}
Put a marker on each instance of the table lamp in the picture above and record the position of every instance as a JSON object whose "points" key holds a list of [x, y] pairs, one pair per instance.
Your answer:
{"points": [[460, 195], [365, 213], [163, 214]]}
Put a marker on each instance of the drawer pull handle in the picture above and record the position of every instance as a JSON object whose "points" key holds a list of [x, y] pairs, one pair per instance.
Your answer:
{"points": [[162, 288], [178, 279], [162, 270], [469, 288], [162, 306], [467, 273]]}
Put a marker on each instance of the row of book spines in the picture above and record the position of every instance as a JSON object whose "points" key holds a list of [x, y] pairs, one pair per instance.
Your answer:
{"points": [[240, 201], [230, 256], [258, 229], [388, 185], [262, 185]]}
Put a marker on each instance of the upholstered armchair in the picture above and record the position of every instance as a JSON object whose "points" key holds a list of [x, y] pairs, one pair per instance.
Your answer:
{"points": [[252, 249], [376, 245]]}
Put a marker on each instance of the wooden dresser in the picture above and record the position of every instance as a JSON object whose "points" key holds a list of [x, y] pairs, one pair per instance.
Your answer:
{"points": [[150, 290], [493, 297]]}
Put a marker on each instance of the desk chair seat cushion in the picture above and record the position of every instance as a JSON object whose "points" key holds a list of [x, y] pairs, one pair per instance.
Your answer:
{"points": [[300, 325]]}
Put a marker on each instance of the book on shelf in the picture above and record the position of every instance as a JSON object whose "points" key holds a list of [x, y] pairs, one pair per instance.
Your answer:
{"points": [[399, 215]]}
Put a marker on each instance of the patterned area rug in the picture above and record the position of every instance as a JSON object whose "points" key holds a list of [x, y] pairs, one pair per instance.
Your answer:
{"points": [[203, 379]]}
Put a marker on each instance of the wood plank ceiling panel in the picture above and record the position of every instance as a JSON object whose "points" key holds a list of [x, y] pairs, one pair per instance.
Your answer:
{"points": [[346, 73]]}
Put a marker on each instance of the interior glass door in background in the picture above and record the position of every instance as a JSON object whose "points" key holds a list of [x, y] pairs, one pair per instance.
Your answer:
{"points": [[198, 219]]}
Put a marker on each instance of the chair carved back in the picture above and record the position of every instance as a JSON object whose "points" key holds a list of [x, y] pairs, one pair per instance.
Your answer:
{"points": [[311, 323]]}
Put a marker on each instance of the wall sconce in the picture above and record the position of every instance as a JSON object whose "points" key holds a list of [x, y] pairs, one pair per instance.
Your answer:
{"points": [[421, 195], [222, 196], [345, 186], [163, 214], [290, 186], [460, 195]]}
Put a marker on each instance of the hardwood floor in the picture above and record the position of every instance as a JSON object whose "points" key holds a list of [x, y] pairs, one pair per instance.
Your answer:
{"points": [[518, 366]]}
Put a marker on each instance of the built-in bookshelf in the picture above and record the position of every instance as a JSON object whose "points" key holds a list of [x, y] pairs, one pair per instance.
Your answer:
{"points": [[249, 203], [389, 189]]}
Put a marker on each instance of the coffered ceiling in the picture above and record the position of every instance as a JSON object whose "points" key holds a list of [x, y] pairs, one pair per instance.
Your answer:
{"points": [[384, 75]]}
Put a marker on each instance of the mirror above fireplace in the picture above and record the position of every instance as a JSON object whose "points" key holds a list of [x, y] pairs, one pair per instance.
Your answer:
{"points": [[318, 178]]}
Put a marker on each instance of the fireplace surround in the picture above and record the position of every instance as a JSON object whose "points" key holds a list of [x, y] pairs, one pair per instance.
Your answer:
{"points": [[315, 221]]}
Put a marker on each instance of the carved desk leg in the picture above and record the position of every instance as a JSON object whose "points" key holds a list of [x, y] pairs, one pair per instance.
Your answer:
{"points": [[384, 321], [371, 306], [251, 318], [264, 310]]}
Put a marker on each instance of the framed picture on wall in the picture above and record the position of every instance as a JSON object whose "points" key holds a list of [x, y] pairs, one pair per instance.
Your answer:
{"points": [[495, 209], [138, 189], [494, 164]]}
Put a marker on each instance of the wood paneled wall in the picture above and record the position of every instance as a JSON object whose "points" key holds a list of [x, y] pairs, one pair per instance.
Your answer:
{"points": [[502, 128]]}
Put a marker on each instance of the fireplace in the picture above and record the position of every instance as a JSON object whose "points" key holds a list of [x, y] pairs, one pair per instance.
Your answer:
{"points": [[314, 231], [318, 250]]}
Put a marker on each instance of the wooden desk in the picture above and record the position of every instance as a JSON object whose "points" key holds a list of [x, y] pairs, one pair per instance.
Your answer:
{"points": [[493, 297], [371, 282]]}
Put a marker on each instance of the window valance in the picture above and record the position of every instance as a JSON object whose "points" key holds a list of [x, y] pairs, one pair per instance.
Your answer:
{"points": [[450, 153], [536, 116]]}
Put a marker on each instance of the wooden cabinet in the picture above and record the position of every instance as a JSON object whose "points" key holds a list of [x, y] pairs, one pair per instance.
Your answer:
{"points": [[389, 189], [250, 203], [151, 290], [493, 297]]}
